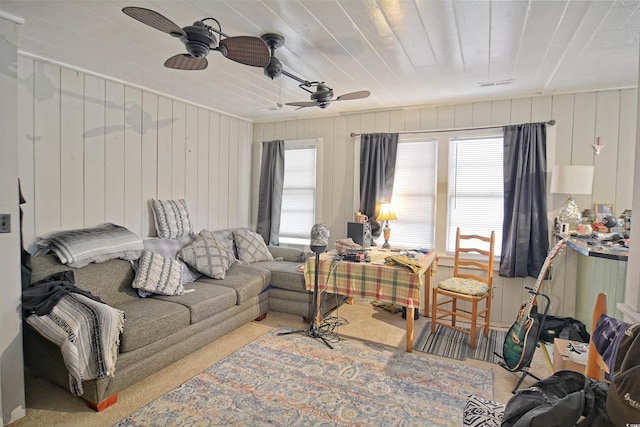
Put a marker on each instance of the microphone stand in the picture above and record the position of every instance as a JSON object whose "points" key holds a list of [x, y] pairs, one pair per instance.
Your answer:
{"points": [[313, 329]]}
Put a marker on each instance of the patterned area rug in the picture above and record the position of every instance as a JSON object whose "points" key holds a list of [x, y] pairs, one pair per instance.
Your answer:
{"points": [[294, 380], [455, 345]]}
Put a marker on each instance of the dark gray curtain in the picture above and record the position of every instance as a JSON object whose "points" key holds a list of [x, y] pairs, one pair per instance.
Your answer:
{"points": [[377, 167], [525, 233], [270, 197]]}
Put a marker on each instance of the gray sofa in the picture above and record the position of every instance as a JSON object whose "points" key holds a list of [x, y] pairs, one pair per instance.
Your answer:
{"points": [[162, 329]]}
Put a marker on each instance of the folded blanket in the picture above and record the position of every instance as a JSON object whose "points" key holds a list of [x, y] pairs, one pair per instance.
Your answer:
{"points": [[88, 334], [404, 261], [77, 248]]}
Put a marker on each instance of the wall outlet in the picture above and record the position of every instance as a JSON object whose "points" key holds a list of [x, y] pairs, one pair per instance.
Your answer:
{"points": [[5, 223]]}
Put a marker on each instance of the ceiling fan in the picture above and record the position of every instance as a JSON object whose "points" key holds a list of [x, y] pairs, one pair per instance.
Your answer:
{"points": [[199, 39], [321, 97]]}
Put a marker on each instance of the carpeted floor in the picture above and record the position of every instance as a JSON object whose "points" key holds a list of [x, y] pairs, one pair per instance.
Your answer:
{"points": [[51, 406], [454, 344], [295, 380]]}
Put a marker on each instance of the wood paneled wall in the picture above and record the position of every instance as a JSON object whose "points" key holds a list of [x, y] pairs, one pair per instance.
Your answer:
{"points": [[580, 119], [95, 150]]}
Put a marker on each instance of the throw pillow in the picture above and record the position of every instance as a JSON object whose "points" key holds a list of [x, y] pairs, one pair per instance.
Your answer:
{"points": [[169, 248], [207, 255], [158, 275], [251, 247], [172, 218]]}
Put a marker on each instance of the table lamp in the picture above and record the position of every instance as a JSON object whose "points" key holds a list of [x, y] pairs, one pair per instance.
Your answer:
{"points": [[570, 180], [386, 214]]}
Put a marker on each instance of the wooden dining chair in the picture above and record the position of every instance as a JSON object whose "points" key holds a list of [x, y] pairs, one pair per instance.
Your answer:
{"points": [[468, 285]]}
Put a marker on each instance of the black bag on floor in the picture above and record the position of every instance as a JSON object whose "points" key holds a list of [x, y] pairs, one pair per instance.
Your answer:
{"points": [[564, 399], [566, 328]]}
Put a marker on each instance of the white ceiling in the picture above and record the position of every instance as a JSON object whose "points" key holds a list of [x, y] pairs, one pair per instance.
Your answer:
{"points": [[406, 52]]}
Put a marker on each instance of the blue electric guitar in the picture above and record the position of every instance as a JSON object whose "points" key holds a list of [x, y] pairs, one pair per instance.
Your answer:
{"points": [[520, 342]]}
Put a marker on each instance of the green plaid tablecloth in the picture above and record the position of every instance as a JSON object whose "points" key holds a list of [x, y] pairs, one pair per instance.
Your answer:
{"points": [[384, 283]]}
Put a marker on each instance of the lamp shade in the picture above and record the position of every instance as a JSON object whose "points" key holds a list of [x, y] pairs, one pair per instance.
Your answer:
{"points": [[386, 213], [572, 179]]}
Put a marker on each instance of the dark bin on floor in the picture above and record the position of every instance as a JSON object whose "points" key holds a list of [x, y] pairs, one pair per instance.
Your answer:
{"points": [[416, 313]]}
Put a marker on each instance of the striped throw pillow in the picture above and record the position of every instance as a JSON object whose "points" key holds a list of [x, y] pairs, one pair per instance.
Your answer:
{"points": [[172, 218], [158, 275]]}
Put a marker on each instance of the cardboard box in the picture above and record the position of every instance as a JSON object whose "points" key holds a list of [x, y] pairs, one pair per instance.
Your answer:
{"points": [[561, 361]]}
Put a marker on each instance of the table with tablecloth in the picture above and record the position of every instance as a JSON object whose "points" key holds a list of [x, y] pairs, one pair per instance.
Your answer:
{"points": [[391, 284]]}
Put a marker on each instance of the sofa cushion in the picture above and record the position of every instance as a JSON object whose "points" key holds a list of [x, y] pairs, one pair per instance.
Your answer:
{"points": [[207, 255], [169, 248], [158, 275], [172, 218], [206, 300], [250, 246], [287, 254], [246, 280], [150, 319], [284, 275]]}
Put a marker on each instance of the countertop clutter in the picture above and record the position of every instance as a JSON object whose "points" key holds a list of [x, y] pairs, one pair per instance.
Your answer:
{"points": [[601, 245]]}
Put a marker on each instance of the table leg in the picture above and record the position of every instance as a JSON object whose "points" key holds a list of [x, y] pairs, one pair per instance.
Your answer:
{"points": [[410, 314], [427, 291]]}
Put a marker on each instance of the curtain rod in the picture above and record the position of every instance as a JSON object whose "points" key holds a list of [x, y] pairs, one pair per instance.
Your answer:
{"points": [[353, 134]]}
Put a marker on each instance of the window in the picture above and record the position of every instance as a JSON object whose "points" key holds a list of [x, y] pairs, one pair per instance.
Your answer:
{"points": [[299, 192], [475, 190], [414, 194]]}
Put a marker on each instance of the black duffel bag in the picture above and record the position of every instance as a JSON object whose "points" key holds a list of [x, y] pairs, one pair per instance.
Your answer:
{"points": [[564, 399]]}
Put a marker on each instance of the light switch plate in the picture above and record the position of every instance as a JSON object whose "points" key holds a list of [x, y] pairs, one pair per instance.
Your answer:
{"points": [[5, 223]]}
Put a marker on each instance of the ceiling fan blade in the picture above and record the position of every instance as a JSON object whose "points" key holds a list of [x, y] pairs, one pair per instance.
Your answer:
{"points": [[183, 61], [154, 19], [246, 50], [353, 95], [302, 104]]}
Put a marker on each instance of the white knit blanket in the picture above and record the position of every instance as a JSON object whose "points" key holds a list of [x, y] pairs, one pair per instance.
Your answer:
{"points": [[88, 334]]}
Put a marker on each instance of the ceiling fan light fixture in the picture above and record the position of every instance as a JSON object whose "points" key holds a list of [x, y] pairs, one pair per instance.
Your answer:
{"points": [[273, 41], [323, 94], [198, 40], [273, 68]]}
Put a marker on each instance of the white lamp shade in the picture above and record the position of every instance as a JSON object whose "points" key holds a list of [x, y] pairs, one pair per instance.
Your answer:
{"points": [[572, 179]]}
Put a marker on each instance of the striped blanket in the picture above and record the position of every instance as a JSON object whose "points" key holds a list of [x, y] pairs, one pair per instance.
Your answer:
{"points": [[88, 334], [77, 248]]}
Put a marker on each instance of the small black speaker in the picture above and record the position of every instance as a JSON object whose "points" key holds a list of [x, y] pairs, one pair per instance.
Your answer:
{"points": [[360, 233]]}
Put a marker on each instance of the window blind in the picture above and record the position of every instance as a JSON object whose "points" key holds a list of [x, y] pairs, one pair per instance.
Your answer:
{"points": [[475, 190], [299, 195], [414, 194]]}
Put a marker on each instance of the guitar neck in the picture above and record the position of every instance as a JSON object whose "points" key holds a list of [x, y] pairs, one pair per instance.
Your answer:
{"points": [[543, 272]]}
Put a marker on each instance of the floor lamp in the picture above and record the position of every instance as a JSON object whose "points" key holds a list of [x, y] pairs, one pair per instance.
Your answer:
{"points": [[319, 242]]}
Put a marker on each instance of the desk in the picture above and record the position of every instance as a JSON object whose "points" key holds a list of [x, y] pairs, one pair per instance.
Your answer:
{"points": [[387, 284]]}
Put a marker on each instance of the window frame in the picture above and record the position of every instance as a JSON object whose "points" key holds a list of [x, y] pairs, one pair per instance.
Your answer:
{"points": [[442, 166]]}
